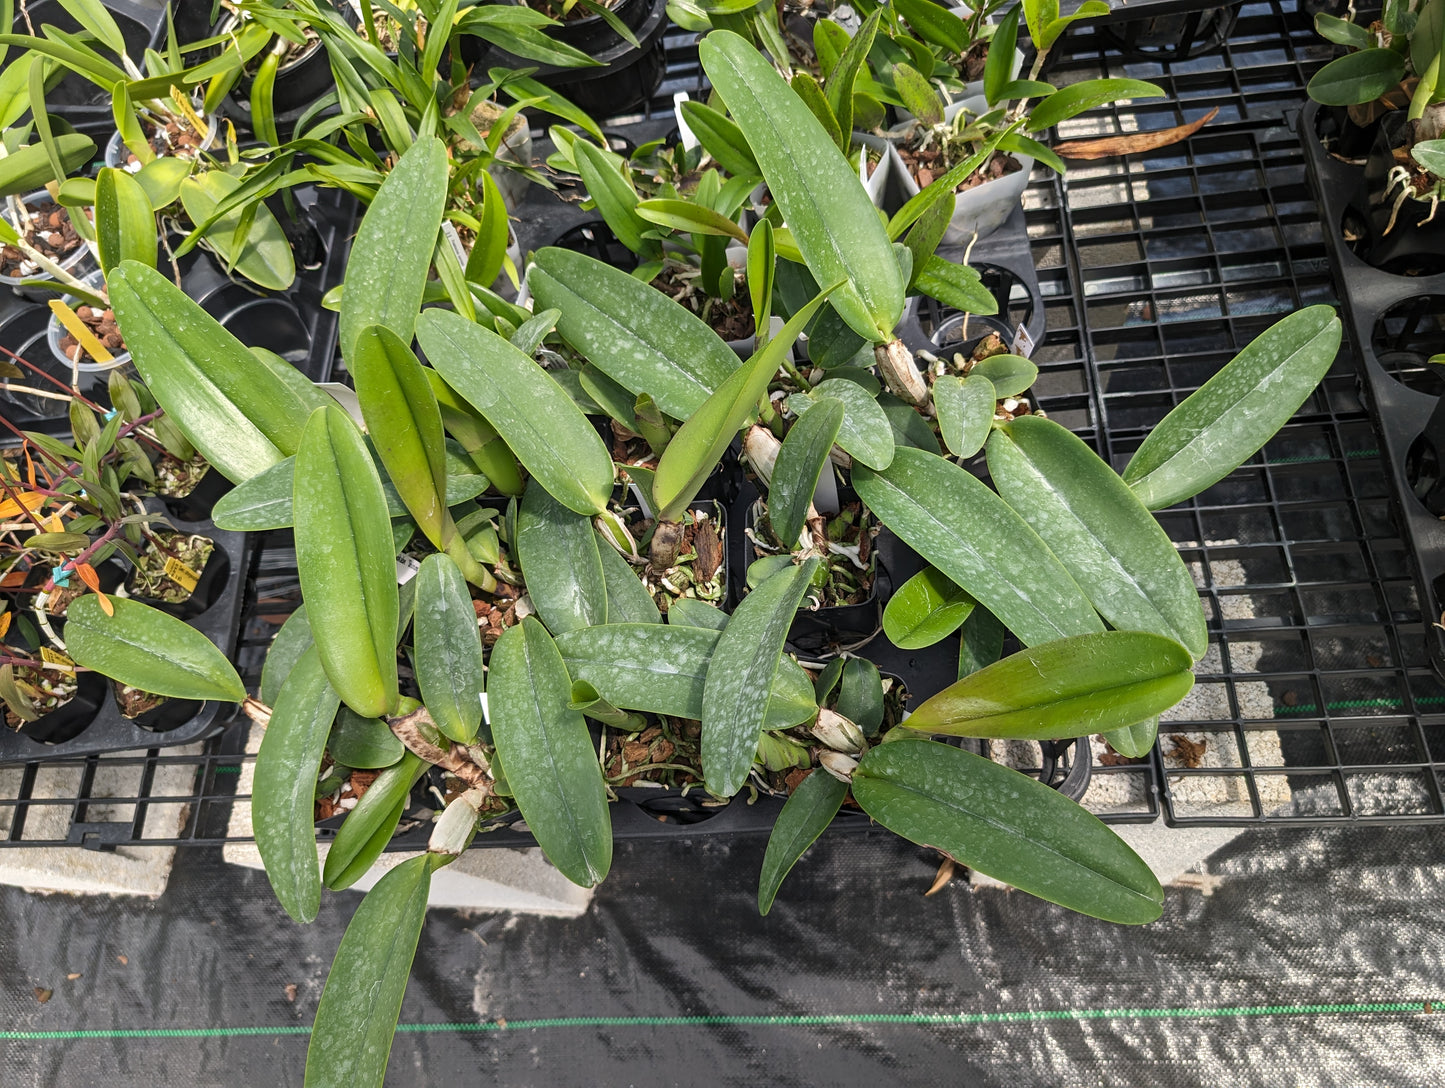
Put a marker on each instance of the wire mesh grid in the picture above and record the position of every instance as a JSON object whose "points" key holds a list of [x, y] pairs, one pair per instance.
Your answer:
{"points": [[1315, 702]]}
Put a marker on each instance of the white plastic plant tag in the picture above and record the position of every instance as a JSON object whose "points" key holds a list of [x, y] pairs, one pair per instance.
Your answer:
{"points": [[486, 710], [642, 501], [449, 232], [689, 141], [406, 568], [775, 328], [825, 495], [1023, 343], [346, 397]]}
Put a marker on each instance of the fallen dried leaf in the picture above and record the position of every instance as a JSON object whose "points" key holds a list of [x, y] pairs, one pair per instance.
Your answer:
{"points": [[73, 976], [1186, 751], [291, 992], [945, 874], [1109, 146], [122, 960], [43, 996]]}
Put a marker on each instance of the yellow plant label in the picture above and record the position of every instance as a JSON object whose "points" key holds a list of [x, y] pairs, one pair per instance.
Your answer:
{"points": [[181, 574], [55, 657]]}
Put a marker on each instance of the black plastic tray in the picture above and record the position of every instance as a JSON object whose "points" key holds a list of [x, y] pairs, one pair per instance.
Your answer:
{"points": [[220, 622], [1398, 384]]}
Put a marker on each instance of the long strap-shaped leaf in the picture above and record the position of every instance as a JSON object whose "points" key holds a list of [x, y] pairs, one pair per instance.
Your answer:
{"points": [[960, 526], [284, 793], [125, 223], [144, 648], [831, 217], [1070, 687], [631, 331], [547, 753], [226, 401], [808, 812], [662, 668], [864, 433], [346, 561], [448, 649], [386, 272], [1118, 554], [699, 443], [800, 462], [356, 1019], [539, 421], [740, 675], [1237, 411], [559, 553], [1008, 826], [405, 424], [628, 600]]}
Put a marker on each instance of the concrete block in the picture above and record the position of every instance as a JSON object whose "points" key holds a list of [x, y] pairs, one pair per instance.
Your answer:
{"points": [[126, 870]]}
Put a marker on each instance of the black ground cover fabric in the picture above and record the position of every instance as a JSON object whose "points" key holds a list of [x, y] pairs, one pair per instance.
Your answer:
{"points": [[1341, 921]]}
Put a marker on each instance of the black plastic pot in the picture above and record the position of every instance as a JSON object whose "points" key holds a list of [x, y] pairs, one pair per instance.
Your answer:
{"points": [[1394, 324], [628, 75], [1175, 36], [595, 239], [67, 722], [210, 585], [76, 98], [1396, 239]]}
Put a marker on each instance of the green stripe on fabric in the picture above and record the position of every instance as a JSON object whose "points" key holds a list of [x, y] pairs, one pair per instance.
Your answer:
{"points": [[921, 1019]]}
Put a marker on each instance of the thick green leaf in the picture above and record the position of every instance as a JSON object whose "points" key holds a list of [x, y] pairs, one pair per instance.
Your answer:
{"points": [[1070, 687], [935, 24], [161, 179], [762, 271], [739, 677], [965, 409], [700, 442], [448, 649], [843, 77], [1431, 155], [539, 421], [865, 432], [828, 211], [1117, 553], [1076, 98], [627, 598], [1134, 740], [387, 269], [356, 1019], [125, 225], [1342, 32], [405, 423], [265, 257], [721, 138], [806, 814], [551, 766], [364, 743], [801, 460], [692, 218], [955, 522], [561, 559], [1007, 826], [955, 285], [370, 825], [662, 668], [924, 609], [909, 428], [293, 640], [29, 168], [633, 333], [860, 695], [1357, 77], [145, 648], [346, 562], [611, 190], [689, 612], [1237, 411], [226, 401], [264, 501], [1011, 375], [999, 67], [981, 643], [284, 791]]}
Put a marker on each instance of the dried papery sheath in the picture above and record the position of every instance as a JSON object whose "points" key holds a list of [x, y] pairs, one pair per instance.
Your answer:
{"points": [[838, 765], [838, 733], [900, 373]]}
